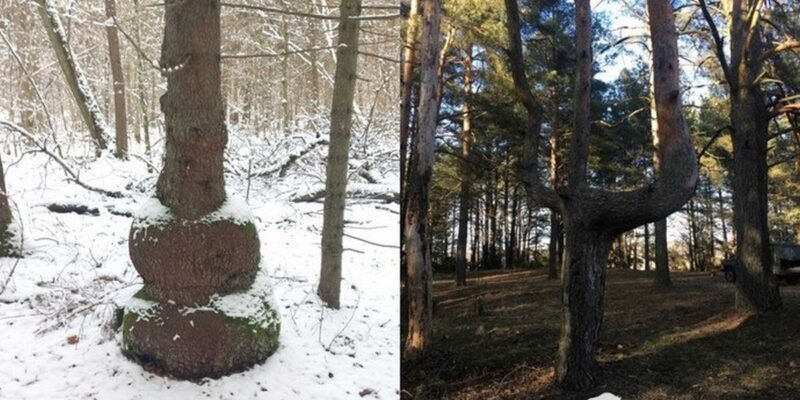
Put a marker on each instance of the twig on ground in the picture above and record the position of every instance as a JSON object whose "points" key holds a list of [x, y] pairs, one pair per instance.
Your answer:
{"points": [[353, 314], [388, 246]]}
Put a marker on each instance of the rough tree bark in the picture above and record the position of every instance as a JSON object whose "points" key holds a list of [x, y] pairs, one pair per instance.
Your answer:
{"points": [[420, 324], [120, 108], [756, 286], [407, 79], [594, 217], [78, 86], [338, 152], [192, 246], [662, 278], [466, 183]]}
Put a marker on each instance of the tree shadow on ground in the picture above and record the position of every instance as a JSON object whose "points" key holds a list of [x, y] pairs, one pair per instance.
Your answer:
{"points": [[497, 339]]}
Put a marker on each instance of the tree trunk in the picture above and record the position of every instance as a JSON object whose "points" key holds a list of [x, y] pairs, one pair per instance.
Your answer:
{"points": [[511, 247], [662, 278], [420, 329], [505, 237], [485, 263], [194, 252], [466, 181], [77, 83], [493, 238], [120, 107], [757, 289], [647, 247], [725, 246], [407, 79], [338, 152], [476, 234], [313, 58], [585, 255], [692, 238], [556, 235], [286, 121]]}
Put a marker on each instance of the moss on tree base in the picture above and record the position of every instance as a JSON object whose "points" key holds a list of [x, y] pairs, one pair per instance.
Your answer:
{"points": [[200, 342]]}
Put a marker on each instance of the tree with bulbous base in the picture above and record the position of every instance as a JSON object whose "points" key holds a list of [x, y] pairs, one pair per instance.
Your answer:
{"points": [[205, 309]]}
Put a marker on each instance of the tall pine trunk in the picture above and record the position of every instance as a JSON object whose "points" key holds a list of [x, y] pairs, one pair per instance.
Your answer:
{"points": [[757, 289], [662, 278], [756, 286], [647, 247], [466, 181], [120, 107], [338, 152]]}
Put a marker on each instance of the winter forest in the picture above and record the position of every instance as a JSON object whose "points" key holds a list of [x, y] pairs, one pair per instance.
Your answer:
{"points": [[199, 199], [601, 199]]}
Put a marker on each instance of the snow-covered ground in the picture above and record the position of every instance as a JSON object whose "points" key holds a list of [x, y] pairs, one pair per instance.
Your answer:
{"points": [[56, 312]]}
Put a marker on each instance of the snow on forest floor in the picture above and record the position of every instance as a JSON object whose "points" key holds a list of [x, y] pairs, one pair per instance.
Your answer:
{"points": [[59, 304]]}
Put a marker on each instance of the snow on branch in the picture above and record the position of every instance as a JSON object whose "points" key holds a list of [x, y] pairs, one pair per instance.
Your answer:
{"points": [[73, 176], [359, 191]]}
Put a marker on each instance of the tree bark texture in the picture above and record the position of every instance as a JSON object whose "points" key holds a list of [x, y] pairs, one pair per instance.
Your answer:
{"points": [[420, 324], [583, 290], [338, 152], [757, 289], [407, 78], [120, 107], [662, 278], [191, 255]]}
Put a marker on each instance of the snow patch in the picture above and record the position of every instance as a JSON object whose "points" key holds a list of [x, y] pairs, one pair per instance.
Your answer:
{"points": [[144, 309], [257, 304], [233, 209], [153, 213]]}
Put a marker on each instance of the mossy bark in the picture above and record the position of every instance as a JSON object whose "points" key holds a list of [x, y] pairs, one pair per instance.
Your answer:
{"points": [[194, 344], [191, 258]]}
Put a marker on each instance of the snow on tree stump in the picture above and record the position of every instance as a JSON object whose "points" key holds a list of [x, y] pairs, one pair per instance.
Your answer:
{"points": [[205, 310]]}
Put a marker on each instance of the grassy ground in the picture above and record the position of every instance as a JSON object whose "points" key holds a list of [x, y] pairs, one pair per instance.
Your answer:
{"points": [[497, 338]]}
